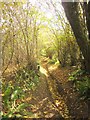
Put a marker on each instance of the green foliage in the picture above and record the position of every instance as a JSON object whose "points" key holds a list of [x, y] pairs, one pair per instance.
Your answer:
{"points": [[83, 87], [8, 91], [15, 92], [81, 81], [11, 95], [50, 52], [43, 52], [29, 77], [52, 61], [74, 76]]}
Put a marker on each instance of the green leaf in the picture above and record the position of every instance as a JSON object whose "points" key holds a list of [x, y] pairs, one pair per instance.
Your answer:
{"points": [[15, 94], [35, 80], [8, 91], [21, 106]]}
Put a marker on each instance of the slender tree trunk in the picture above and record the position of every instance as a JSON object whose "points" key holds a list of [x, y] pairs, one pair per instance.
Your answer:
{"points": [[72, 14]]}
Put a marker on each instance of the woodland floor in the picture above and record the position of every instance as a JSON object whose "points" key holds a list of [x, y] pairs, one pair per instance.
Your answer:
{"points": [[55, 97]]}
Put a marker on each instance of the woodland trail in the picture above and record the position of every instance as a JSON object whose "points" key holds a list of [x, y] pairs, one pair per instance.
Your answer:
{"points": [[55, 97], [42, 103]]}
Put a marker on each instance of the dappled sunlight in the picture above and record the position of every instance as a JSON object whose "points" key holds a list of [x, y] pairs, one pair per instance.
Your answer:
{"points": [[62, 107], [51, 68], [45, 63], [43, 71], [41, 102], [11, 69]]}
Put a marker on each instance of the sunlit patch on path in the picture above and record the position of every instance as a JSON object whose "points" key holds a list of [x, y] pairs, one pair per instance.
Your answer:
{"points": [[43, 71]]}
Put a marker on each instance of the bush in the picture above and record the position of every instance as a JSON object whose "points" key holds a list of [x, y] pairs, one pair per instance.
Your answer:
{"points": [[28, 78], [81, 81], [52, 61], [15, 91], [10, 105]]}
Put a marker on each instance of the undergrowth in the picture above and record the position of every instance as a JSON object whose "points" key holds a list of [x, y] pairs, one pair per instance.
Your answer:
{"points": [[15, 91], [81, 80]]}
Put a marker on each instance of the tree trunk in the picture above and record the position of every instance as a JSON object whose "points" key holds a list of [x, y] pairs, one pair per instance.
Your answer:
{"points": [[88, 18], [72, 14]]}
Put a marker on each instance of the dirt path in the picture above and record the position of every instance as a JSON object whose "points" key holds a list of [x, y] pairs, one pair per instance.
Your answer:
{"points": [[77, 108], [55, 97], [42, 103]]}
